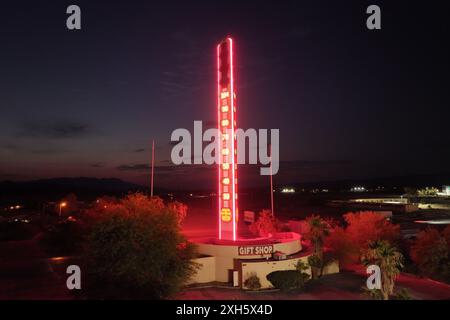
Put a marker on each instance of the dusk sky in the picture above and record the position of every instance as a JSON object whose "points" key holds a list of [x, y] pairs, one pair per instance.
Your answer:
{"points": [[349, 102]]}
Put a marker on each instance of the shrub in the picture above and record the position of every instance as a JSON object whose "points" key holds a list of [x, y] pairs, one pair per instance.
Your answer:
{"points": [[317, 231], [367, 226], [181, 210], [362, 229], [252, 282], [135, 250], [287, 279], [265, 224], [430, 253]]}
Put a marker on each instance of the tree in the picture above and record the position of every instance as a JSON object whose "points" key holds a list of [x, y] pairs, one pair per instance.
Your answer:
{"points": [[430, 252], [390, 261], [342, 247], [428, 192], [317, 231], [362, 228], [181, 210], [265, 225], [368, 226], [135, 250]]}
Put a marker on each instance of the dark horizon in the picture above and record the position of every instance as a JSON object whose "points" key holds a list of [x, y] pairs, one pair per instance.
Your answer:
{"points": [[350, 103], [99, 185]]}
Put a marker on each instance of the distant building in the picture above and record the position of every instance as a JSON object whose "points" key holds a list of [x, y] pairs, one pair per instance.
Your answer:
{"points": [[383, 205]]}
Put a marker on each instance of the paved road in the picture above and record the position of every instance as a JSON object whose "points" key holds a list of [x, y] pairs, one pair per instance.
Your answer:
{"points": [[343, 286]]}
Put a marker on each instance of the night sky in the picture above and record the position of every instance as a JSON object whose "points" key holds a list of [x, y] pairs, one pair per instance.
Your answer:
{"points": [[349, 102]]}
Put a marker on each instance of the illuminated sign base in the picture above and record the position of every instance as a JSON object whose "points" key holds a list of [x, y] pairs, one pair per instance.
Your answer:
{"points": [[247, 256]]}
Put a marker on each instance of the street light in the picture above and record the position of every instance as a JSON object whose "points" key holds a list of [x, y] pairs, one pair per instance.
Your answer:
{"points": [[61, 205]]}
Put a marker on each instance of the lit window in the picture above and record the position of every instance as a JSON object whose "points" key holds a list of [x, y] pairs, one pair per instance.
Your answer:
{"points": [[225, 151], [225, 136], [224, 108], [225, 123], [225, 166], [224, 95], [226, 181], [226, 196]]}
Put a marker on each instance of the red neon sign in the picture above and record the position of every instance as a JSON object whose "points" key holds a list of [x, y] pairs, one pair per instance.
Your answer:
{"points": [[226, 116]]}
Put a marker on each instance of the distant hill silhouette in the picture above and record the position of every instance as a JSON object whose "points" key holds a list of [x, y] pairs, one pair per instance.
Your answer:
{"points": [[90, 188], [49, 189]]}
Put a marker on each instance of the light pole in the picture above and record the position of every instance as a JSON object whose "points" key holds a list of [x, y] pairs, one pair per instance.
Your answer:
{"points": [[61, 205], [271, 181]]}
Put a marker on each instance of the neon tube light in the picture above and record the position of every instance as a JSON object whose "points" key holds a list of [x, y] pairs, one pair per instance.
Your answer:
{"points": [[226, 109]]}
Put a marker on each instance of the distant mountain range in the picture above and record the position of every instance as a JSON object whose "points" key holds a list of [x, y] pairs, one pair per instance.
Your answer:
{"points": [[59, 187]]}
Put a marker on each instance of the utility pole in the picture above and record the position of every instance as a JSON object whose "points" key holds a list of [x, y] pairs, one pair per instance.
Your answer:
{"points": [[153, 168]]}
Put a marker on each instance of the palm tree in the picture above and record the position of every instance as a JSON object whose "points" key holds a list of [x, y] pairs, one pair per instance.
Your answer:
{"points": [[318, 230], [390, 261]]}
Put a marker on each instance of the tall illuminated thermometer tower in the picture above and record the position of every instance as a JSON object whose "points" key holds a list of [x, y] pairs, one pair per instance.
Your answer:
{"points": [[231, 257], [226, 115]]}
